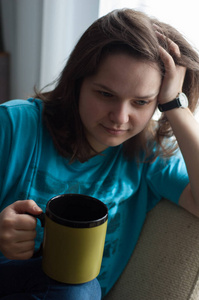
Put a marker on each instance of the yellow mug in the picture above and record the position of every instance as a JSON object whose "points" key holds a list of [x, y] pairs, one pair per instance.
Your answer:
{"points": [[74, 236]]}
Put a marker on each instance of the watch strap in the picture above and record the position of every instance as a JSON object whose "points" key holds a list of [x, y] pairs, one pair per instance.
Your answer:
{"points": [[169, 105]]}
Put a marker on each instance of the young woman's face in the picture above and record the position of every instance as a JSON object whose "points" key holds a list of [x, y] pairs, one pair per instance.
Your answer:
{"points": [[119, 100]]}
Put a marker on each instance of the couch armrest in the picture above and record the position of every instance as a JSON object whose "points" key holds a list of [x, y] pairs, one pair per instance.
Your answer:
{"points": [[165, 263]]}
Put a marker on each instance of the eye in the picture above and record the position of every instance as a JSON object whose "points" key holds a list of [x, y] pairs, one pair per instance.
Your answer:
{"points": [[105, 94], [141, 102]]}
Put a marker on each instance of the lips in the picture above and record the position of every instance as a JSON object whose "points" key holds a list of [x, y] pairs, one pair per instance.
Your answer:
{"points": [[115, 131]]}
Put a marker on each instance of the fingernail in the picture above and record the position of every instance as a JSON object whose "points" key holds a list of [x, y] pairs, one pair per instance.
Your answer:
{"points": [[37, 208]]}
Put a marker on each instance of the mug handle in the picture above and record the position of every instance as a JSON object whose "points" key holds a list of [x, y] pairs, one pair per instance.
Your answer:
{"points": [[41, 217]]}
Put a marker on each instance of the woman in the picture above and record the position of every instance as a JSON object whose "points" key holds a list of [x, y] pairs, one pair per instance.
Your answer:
{"points": [[94, 134]]}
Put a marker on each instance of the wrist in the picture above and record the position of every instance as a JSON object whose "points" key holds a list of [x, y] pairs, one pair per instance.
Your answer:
{"points": [[180, 101]]}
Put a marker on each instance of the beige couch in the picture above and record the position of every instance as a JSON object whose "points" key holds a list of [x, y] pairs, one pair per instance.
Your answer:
{"points": [[165, 263]]}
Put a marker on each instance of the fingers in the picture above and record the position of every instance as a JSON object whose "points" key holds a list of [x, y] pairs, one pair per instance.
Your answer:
{"points": [[18, 236], [173, 47], [173, 71], [168, 62], [174, 74], [14, 217], [18, 222], [26, 206], [17, 229], [20, 251], [17, 244], [18, 217]]}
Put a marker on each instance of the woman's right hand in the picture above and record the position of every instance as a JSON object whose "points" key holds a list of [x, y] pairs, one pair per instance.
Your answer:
{"points": [[18, 229]]}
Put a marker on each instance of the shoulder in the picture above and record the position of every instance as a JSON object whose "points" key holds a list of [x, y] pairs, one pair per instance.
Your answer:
{"points": [[19, 105], [20, 113], [20, 123]]}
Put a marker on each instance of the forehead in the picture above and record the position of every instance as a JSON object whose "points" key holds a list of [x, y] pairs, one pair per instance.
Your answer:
{"points": [[116, 57], [123, 70]]}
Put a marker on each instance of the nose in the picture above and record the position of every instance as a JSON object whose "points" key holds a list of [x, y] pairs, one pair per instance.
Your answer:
{"points": [[119, 114]]}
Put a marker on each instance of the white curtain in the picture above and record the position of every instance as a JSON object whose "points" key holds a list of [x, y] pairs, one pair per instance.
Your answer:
{"points": [[106, 6], [181, 14], [63, 22], [39, 35]]}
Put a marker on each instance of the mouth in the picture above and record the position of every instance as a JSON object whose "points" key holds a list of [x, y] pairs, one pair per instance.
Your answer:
{"points": [[115, 131]]}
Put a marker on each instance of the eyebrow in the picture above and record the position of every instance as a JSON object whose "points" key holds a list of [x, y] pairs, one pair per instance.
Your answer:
{"points": [[153, 95], [104, 87]]}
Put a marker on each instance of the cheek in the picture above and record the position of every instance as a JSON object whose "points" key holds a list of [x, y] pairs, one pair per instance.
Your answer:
{"points": [[145, 116], [91, 108], [88, 111]]}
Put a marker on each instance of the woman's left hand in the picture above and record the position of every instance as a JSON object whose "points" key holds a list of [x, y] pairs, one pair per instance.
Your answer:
{"points": [[174, 74], [184, 125]]}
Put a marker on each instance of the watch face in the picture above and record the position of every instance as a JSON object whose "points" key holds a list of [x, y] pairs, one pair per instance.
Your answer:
{"points": [[183, 100]]}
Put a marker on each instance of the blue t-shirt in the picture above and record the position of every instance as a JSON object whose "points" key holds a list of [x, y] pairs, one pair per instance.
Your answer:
{"points": [[31, 168]]}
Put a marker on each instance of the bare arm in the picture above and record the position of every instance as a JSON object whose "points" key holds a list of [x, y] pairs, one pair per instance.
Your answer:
{"points": [[184, 126], [186, 130]]}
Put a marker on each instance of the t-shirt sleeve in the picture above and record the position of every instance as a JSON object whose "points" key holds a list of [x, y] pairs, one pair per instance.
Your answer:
{"points": [[5, 141], [167, 178], [19, 121]]}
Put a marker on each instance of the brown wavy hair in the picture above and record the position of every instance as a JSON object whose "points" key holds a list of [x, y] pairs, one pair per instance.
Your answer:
{"points": [[123, 30]]}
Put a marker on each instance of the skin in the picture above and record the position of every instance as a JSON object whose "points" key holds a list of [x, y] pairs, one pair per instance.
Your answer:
{"points": [[184, 125], [114, 106], [117, 103], [18, 230]]}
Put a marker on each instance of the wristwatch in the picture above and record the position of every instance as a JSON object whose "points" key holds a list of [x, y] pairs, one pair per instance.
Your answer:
{"points": [[180, 101]]}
